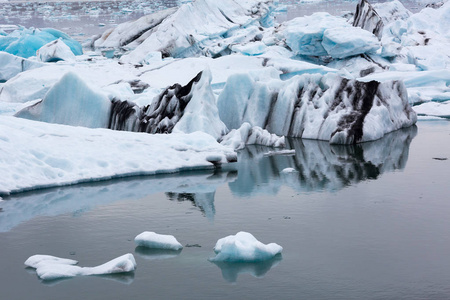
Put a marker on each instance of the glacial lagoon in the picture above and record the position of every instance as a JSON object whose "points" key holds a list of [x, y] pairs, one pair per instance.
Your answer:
{"points": [[356, 222]]}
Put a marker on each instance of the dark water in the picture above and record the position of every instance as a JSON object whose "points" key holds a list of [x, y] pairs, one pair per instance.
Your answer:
{"points": [[361, 222]]}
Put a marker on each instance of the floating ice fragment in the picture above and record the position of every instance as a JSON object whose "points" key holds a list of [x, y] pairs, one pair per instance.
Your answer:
{"points": [[38, 259], [244, 247], [50, 267], [55, 51], [154, 240]]}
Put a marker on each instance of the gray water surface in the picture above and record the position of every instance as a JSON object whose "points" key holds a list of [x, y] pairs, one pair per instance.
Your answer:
{"points": [[360, 222]]}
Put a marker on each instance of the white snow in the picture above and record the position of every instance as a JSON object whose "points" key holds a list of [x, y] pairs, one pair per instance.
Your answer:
{"points": [[36, 154], [244, 247], [151, 239], [51, 268]]}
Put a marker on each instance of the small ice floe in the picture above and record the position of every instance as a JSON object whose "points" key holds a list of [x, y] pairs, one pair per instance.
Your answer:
{"points": [[51, 268], [288, 170], [281, 152], [244, 247], [38, 259], [159, 241]]}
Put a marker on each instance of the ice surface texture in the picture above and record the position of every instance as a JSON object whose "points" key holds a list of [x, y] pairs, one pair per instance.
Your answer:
{"points": [[72, 102], [36, 154], [55, 51], [244, 247], [51, 268], [160, 241], [326, 107]]}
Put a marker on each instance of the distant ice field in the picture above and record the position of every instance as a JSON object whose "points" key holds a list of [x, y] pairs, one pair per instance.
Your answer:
{"points": [[83, 19]]}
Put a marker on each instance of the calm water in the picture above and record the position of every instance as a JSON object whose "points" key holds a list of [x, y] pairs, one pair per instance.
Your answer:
{"points": [[363, 222]]}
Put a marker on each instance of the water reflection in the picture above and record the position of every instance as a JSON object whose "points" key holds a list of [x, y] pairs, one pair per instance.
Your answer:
{"points": [[230, 271], [320, 166], [124, 278], [153, 254], [80, 198]]}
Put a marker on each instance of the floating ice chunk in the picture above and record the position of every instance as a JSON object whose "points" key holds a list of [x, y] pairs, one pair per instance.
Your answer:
{"points": [[367, 18], [341, 42], [12, 65], [72, 102], [55, 51], [281, 152], [289, 170], [248, 135], [304, 35], [244, 247], [200, 26], [435, 109], [151, 239], [38, 259], [25, 42], [253, 48], [50, 270]]}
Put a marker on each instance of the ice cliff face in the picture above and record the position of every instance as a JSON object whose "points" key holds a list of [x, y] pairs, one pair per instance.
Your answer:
{"points": [[320, 107], [186, 108], [367, 18]]}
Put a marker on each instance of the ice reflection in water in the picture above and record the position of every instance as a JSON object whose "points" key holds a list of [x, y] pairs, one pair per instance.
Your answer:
{"points": [[153, 254], [319, 165], [230, 271]]}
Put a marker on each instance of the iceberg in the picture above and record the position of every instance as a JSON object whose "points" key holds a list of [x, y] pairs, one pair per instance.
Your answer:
{"points": [[57, 268], [436, 109], [200, 27], [178, 108], [25, 42], [72, 102], [367, 18], [151, 239], [244, 247], [328, 107], [55, 51]]}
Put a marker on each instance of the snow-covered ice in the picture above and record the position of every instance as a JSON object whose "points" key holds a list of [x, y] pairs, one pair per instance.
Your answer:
{"points": [[51, 268], [244, 247], [36, 154], [151, 239]]}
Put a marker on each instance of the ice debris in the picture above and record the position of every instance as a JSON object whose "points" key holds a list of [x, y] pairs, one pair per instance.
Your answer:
{"points": [[51, 268], [151, 239], [244, 247]]}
